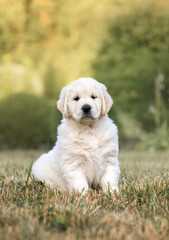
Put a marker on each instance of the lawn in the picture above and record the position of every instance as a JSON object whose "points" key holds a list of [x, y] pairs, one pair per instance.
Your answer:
{"points": [[30, 210]]}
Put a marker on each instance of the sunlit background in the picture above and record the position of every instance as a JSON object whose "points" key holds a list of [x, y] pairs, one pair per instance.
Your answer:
{"points": [[45, 44]]}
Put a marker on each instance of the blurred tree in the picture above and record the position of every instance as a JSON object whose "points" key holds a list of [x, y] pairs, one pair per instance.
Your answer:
{"points": [[27, 121], [27, 13], [57, 30], [51, 83], [129, 61]]}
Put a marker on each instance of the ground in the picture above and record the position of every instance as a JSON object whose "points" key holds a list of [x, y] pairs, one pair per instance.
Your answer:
{"points": [[30, 210]]}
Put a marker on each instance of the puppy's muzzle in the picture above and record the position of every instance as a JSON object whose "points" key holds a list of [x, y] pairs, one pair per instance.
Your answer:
{"points": [[86, 109]]}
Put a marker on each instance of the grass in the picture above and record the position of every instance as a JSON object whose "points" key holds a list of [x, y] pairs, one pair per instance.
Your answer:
{"points": [[30, 210]]}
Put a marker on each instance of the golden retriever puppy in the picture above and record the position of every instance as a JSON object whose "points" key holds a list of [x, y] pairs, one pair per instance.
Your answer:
{"points": [[86, 151]]}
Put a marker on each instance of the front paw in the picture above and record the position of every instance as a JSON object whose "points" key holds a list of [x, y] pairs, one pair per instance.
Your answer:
{"points": [[107, 188]]}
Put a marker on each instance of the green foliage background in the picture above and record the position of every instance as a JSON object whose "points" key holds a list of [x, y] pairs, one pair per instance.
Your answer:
{"points": [[123, 44], [130, 60], [27, 121]]}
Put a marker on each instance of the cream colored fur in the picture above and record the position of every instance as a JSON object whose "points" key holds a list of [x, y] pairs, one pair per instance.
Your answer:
{"points": [[86, 151]]}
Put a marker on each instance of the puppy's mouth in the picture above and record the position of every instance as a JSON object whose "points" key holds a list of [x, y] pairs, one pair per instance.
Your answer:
{"points": [[86, 117]]}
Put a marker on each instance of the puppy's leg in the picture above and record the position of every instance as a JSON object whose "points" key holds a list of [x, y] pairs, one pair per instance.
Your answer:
{"points": [[110, 178], [75, 178], [41, 169]]}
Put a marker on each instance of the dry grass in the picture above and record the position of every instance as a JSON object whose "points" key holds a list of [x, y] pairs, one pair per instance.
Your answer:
{"points": [[30, 210]]}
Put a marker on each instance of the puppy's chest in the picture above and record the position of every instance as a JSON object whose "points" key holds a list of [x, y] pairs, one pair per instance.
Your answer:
{"points": [[89, 143], [92, 155], [90, 151]]}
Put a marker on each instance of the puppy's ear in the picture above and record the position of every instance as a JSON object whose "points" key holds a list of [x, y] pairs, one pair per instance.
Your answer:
{"points": [[62, 103], [106, 99]]}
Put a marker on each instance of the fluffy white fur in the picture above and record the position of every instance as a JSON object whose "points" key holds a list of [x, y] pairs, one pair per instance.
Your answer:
{"points": [[86, 151]]}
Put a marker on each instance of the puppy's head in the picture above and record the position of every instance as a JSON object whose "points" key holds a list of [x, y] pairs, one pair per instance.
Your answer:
{"points": [[84, 100]]}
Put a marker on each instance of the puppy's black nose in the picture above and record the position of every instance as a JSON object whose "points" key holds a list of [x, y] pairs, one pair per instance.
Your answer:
{"points": [[86, 108]]}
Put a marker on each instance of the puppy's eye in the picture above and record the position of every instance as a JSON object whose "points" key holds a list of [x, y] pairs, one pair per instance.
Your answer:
{"points": [[93, 97], [76, 98]]}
